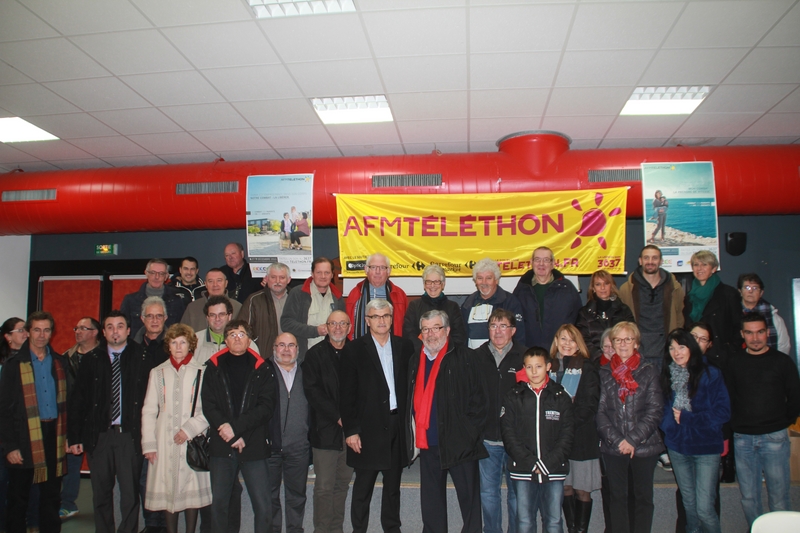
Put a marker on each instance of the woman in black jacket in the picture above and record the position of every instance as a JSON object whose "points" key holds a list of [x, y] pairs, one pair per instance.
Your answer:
{"points": [[603, 309], [433, 280], [711, 301]]}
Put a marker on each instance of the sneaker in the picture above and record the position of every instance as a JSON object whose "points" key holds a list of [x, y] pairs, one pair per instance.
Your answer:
{"points": [[65, 514], [664, 462]]}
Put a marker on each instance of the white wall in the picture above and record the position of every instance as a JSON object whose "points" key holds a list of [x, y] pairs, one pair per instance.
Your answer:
{"points": [[15, 253]]}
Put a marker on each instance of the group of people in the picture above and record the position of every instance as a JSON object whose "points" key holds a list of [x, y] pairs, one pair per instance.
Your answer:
{"points": [[558, 397]]}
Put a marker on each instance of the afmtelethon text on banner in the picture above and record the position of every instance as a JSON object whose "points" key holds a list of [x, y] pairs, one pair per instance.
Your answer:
{"points": [[585, 229], [280, 222]]}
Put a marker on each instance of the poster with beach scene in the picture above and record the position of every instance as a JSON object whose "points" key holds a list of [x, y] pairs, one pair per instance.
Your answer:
{"points": [[279, 222], [680, 211]]}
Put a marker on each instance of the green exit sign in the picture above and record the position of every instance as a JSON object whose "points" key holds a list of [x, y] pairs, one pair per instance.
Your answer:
{"points": [[106, 249]]}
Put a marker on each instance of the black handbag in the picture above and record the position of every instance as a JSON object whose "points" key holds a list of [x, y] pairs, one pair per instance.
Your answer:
{"points": [[197, 448]]}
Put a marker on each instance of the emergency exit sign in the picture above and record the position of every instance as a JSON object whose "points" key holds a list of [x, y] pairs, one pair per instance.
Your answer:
{"points": [[106, 249]]}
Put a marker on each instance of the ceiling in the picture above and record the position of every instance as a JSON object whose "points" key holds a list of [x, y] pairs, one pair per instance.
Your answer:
{"points": [[152, 82]]}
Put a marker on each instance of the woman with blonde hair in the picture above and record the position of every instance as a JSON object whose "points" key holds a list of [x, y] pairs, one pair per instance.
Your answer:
{"points": [[173, 392], [603, 309], [575, 371]]}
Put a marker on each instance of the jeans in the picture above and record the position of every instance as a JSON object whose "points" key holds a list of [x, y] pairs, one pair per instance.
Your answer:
{"points": [[224, 471], [697, 478], [289, 468], [545, 497], [642, 469], [770, 453], [491, 469], [71, 483]]}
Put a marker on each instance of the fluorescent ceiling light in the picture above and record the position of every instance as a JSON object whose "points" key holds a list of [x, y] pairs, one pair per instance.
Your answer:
{"points": [[265, 9], [665, 100], [16, 130], [353, 109]]}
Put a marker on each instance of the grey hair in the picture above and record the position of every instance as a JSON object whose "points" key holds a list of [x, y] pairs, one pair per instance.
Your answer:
{"points": [[373, 256], [154, 300], [433, 269], [435, 313], [486, 264], [378, 304], [280, 266]]}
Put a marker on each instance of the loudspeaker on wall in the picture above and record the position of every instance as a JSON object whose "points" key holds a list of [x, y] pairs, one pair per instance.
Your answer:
{"points": [[735, 243]]}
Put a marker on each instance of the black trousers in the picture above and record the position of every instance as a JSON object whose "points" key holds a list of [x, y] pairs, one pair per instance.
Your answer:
{"points": [[364, 484], [642, 469], [433, 493], [19, 489], [114, 459]]}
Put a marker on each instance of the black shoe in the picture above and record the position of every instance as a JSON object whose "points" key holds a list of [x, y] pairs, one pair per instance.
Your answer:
{"points": [[153, 529], [568, 505], [583, 514]]}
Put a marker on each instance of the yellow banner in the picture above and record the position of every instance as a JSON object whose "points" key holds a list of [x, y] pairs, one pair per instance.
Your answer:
{"points": [[585, 230]]}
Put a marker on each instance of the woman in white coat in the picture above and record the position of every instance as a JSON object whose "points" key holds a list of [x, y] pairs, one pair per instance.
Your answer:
{"points": [[167, 424]]}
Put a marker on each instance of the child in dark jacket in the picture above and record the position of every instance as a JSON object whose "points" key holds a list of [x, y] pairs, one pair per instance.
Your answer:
{"points": [[538, 427]]}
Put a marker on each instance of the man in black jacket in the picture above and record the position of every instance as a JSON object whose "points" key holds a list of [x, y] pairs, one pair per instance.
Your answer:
{"points": [[240, 280], [106, 423], [372, 391], [448, 397], [321, 383], [238, 399], [157, 272]]}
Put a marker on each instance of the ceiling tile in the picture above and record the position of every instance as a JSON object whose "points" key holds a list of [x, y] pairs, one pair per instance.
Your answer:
{"points": [[768, 65], [222, 45], [70, 18], [237, 139], [51, 150], [417, 32], [168, 143], [785, 32], [632, 143], [297, 136], [565, 101], [699, 141], [292, 112], [50, 59], [716, 124], [98, 94], [72, 125], [744, 98], [337, 78], [735, 23], [249, 155], [479, 147], [519, 28], [493, 129], [173, 88], [378, 5], [77, 164], [37, 166], [645, 127], [33, 99], [133, 52], [195, 157], [110, 147], [372, 149], [429, 147], [185, 12], [775, 125], [426, 106], [790, 104], [587, 69], [253, 83], [205, 117], [751, 141], [510, 71], [17, 23], [9, 154], [582, 127], [309, 153], [507, 102], [377, 133], [424, 73], [628, 25], [11, 76], [584, 144], [134, 121], [317, 38], [419, 131], [692, 66], [139, 161]]}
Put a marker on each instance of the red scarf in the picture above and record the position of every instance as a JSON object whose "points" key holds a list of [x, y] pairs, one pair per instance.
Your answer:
{"points": [[423, 395], [178, 365], [522, 377], [622, 373], [540, 389]]}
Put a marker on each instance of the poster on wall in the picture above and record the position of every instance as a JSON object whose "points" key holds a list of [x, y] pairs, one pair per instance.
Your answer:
{"points": [[680, 211], [585, 229], [280, 222]]}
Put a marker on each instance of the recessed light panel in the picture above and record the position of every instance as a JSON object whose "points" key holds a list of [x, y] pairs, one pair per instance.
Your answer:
{"points": [[265, 9], [16, 130], [353, 109], [665, 100]]}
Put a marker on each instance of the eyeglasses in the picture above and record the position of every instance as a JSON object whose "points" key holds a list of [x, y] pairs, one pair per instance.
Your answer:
{"points": [[283, 345], [501, 327], [237, 335], [379, 317], [379, 268], [433, 282], [542, 260], [432, 329], [623, 340], [342, 324], [698, 338], [157, 274], [751, 288], [155, 317], [83, 328], [215, 316]]}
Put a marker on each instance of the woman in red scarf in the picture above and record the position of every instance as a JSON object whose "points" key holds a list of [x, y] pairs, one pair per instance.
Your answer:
{"points": [[630, 410]]}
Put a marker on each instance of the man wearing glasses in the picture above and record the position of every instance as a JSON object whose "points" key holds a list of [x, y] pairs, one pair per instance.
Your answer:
{"points": [[548, 299], [238, 401], [377, 285], [373, 392], [157, 272], [752, 290], [321, 383]]}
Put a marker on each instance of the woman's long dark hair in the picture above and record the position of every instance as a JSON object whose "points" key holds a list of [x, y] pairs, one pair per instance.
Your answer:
{"points": [[6, 329], [695, 366]]}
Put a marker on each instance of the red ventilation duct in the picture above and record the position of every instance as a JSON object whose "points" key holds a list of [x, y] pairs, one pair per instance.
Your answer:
{"points": [[751, 180]]}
